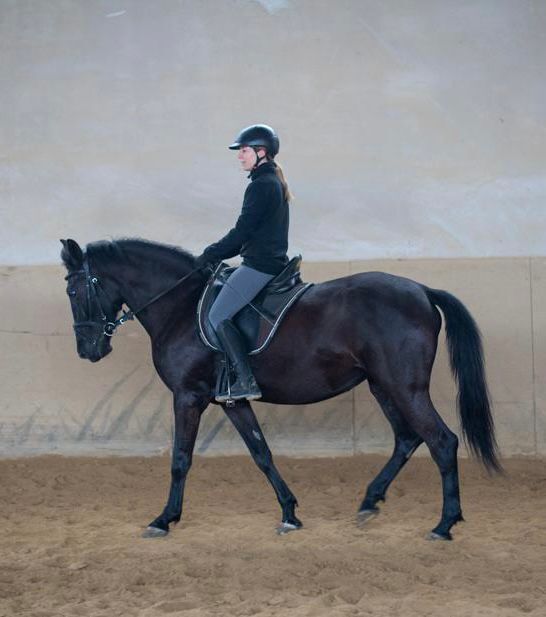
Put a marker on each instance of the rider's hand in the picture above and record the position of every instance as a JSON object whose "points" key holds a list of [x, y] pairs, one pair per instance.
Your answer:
{"points": [[204, 261]]}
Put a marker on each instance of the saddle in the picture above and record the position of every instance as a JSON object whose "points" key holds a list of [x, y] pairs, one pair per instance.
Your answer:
{"points": [[259, 320]]}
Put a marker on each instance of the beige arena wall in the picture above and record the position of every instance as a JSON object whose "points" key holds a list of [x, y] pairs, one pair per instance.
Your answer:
{"points": [[54, 402], [412, 135]]}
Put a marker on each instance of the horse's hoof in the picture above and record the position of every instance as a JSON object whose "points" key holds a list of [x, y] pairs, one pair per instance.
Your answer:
{"points": [[285, 528], [154, 532], [365, 516], [432, 535]]}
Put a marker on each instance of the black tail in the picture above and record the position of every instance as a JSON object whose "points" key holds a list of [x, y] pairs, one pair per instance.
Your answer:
{"points": [[467, 364]]}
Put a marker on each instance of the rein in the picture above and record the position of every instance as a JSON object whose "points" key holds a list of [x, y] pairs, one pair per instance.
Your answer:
{"points": [[94, 287]]}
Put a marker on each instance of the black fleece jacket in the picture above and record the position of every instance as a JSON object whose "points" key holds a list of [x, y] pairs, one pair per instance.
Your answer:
{"points": [[260, 235]]}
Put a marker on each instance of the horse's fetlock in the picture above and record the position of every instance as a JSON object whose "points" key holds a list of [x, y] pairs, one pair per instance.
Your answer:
{"points": [[289, 504], [160, 523], [171, 517]]}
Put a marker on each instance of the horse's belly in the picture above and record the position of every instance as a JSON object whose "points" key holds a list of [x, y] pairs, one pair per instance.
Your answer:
{"points": [[304, 382]]}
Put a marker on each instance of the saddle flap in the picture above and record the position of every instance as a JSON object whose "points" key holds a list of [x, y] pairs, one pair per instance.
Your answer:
{"points": [[259, 321]]}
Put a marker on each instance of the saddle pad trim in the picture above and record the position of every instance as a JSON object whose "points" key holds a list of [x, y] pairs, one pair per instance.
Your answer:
{"points": [[279, 319], [201, 329]]}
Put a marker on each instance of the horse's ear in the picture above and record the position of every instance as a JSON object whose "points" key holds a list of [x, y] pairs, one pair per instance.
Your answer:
{"points": [[71, 254]]}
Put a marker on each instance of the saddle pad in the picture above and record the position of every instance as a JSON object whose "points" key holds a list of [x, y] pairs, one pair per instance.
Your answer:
{"points": [[257, 330]]}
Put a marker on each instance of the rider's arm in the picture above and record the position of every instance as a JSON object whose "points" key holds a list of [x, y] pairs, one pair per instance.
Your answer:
{"points": [[258, 198]]}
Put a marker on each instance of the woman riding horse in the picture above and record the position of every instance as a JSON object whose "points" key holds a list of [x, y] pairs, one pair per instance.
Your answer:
{"points": [[260, 236]]}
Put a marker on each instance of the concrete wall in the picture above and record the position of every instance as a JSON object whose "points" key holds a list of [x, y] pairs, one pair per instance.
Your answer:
{"points": [[52, 401]]}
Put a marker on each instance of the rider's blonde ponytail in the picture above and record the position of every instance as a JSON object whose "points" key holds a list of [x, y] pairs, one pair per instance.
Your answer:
{"points": [[287, 194]]}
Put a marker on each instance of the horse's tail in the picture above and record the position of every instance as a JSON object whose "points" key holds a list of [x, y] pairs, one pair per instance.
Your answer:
{"points": [[467, 365]]}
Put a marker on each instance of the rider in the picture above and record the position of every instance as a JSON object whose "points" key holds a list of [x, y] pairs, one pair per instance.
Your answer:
{"points": [[260, 236]]}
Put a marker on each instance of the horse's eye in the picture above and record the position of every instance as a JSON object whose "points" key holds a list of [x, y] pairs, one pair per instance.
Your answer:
{"points": [[71, 292]]}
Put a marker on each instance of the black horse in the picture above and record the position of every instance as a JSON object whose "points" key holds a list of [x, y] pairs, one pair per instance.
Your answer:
{"points": [[370, 326]]}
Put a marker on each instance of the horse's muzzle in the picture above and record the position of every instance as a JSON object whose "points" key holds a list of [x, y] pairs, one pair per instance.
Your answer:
{"points": [[95, 355]]}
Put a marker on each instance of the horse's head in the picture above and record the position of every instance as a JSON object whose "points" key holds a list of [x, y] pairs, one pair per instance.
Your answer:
{"points": [[95, 303]]}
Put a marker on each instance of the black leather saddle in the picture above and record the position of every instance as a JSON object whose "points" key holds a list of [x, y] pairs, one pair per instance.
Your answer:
{"points": [[259, 320]]}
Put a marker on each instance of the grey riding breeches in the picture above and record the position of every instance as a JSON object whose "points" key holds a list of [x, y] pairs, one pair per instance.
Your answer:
{"points": [[240, 288]]}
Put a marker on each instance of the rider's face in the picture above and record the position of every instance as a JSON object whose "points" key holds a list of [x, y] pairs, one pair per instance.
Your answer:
{"points": [[247, 157]]}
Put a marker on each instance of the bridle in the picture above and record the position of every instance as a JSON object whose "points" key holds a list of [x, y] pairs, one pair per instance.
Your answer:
{"points": [[94, 291]]}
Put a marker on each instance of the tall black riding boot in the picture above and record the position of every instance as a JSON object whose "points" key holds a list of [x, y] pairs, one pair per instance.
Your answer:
{"points": [[245, 385]]}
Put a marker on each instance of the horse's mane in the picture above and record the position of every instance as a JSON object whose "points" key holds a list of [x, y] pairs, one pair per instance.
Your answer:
{"points": [[106, 251]]}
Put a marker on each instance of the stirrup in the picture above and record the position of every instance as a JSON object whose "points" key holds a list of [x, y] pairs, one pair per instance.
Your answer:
{"points": [[251, 396], [223, 397], [224, 388], [250, 393]]}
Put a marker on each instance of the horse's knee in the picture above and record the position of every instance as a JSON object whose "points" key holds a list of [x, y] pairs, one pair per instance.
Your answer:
{"points": [[181, 464]]}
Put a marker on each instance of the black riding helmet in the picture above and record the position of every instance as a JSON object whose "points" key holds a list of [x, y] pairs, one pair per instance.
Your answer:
{"points": [[258, 136]]}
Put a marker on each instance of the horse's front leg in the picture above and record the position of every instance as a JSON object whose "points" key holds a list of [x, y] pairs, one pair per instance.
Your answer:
{"points": [[187, 414], [247, 425]]}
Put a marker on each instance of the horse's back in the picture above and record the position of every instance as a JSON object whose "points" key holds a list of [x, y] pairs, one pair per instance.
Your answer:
{"points": [[363, 306], [371, 291]]}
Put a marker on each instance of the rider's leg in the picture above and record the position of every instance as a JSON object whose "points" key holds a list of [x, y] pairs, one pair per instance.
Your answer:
{"points": [[241, 287], [245, 386]]}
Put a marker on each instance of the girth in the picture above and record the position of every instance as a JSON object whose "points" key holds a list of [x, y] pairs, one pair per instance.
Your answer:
{"points": [[259, 320]]}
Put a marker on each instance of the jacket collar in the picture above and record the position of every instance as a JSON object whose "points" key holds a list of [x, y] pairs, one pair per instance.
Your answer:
{"points": [[265, 168]]}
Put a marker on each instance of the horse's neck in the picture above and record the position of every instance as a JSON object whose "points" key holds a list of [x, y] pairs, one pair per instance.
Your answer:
{"points": [[141, 280]]}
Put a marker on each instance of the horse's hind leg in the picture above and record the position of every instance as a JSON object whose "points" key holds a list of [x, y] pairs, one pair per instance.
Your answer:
{"points": [[245, 422], [420, 414], [405, 444]]}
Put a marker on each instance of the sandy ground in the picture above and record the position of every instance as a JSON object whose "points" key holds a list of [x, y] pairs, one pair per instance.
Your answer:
{"points": [[71, 543]]}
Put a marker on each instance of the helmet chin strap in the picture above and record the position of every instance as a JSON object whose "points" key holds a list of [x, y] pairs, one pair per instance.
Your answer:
{"points": [[259, 159]]}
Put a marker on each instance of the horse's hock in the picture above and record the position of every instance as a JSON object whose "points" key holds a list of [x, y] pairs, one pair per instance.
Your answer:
{"points": [[58, 403]]}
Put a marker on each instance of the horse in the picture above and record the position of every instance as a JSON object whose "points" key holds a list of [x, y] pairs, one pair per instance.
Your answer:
{"points": [[369, 326]]}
